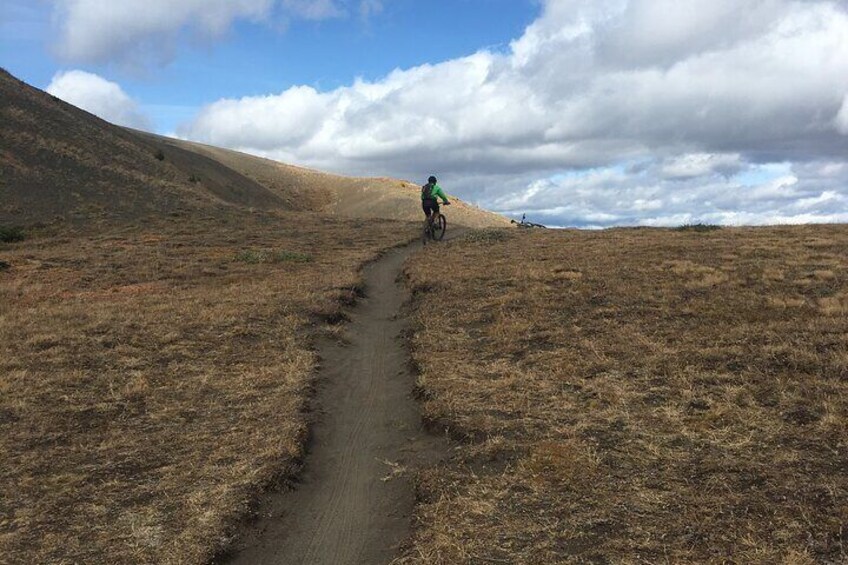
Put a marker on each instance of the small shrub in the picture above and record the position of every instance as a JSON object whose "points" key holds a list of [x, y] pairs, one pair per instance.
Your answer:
{"points": [[255, 256], [699, 227], [194, 179], [11, 234], [292, 257], [252, 256], [4, 265], [160, 156]]}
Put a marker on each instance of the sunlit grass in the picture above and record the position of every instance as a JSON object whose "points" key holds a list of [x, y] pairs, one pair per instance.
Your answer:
{"points": [[152, 380], [674, 396]]}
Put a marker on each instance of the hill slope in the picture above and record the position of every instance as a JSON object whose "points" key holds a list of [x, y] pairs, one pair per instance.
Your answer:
{"points": [[348, 197], [60, 162]]}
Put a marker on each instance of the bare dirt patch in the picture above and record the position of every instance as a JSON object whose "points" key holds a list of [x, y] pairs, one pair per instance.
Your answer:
{"points": [[353, 501], [636, 396]]}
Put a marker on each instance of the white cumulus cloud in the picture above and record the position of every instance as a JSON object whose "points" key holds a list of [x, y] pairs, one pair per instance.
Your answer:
{"points": [[701, 164], [96, 31], [649, 109], [618, 196], [601, 112], [99, 96], [138, 31]]}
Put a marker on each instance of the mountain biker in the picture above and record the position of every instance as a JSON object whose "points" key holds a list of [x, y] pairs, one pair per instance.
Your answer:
{"points": [[430, 192]]}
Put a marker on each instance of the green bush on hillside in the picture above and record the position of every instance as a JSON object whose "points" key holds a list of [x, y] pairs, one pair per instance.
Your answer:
{"points": [[11, 234], [699, 227]]}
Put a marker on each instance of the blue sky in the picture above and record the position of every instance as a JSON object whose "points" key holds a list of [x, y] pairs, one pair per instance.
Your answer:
{"points": [[587, 113], [255, 59]]}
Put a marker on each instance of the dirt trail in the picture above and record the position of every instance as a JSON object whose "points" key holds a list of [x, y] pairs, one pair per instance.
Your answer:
{"points": [[354, 501]]}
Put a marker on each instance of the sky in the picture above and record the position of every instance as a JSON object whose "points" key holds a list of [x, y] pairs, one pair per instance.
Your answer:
{"points": [[579, 113]]}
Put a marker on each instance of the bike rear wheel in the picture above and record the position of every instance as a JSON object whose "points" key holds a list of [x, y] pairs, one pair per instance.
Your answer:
{"points": [[440, 224]]}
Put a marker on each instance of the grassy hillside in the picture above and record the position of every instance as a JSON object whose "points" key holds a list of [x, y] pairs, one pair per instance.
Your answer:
{"points": [[636, 396], [340, 196], [59, 162], [62, 164]]}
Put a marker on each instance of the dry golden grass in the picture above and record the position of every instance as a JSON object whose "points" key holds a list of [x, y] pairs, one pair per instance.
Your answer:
{"points": [[346, 197], [636, 396], [154, 378]]}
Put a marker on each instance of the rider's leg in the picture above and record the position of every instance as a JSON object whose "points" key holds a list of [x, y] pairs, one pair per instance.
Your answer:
{"points": [[428, 213]]}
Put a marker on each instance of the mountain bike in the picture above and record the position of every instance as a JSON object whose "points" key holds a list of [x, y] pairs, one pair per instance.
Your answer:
{"points": [[434, 228], [525, 224]]}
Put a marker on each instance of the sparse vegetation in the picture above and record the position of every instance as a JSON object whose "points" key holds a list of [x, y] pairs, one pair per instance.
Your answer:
{"points": [[159, 155], [272, 256], [194, 179], [699, 227], [11, 234], [5, 265], [150, 385], [636, 396]]}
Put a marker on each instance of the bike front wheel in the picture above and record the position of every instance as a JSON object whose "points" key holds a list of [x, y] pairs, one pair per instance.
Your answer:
{"points": [[439, 226]]}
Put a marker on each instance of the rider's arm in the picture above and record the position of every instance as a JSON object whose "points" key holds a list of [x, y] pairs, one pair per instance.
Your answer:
{"points": [[438, 192]]}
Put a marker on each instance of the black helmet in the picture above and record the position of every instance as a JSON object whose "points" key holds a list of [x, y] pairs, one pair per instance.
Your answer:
{"points": [[432, 180]]}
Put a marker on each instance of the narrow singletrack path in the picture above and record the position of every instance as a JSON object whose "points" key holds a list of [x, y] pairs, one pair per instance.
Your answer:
{"points": [[354, 499]]}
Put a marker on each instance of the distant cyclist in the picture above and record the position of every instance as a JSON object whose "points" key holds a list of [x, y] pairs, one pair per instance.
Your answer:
{"points": [[430, 193]]}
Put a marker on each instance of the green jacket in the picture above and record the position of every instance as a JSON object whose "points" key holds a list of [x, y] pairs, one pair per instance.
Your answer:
{"points": [[435, 193]]}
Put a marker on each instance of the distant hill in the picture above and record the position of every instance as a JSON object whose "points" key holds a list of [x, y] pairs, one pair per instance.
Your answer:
{"points": [[351, 197], [59, 162]]}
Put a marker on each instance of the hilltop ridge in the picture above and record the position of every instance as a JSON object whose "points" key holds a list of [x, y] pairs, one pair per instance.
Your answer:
{"points": [[61, 163]]}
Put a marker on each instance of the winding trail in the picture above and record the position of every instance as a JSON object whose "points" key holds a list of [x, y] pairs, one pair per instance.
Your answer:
{"points": [[354, 501]]}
